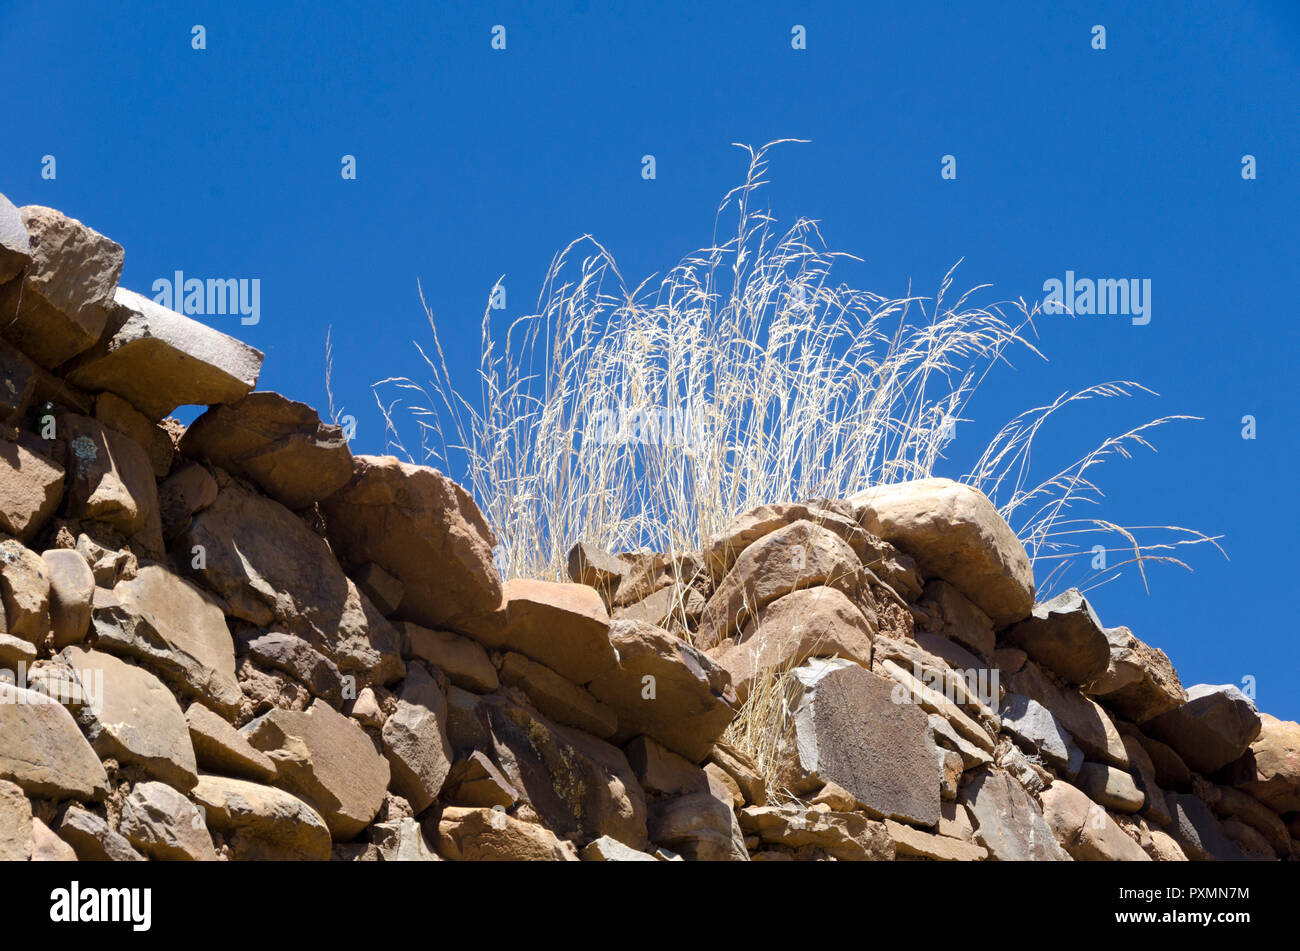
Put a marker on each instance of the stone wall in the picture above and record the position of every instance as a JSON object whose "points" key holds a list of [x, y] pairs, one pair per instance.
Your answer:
{"points": [[238, 640]]}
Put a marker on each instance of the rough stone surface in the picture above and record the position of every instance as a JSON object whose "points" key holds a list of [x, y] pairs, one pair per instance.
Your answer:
{"points": [[327, 760], [24, 591], [93, 839], [1140, 681], [686, 704], [1064, 636], [31, 488], [606, 849], [46, 846], [699, 827], [475, 781], [1214, 727], [1271, 772], [950, 614], [564, 626], [15, 820], [279, 444], [847, 836], [61, 306], [1007, 822], [1091, 727], [157, 359], [220, 748], [487, 835], [175, 630], [111, 483], [72, 589], [464, 661], [136, 719], [1198, 833], [296, 657], [661, 772], [1034, 727], [954, 533], [15, 246], [262, 823], [848, 729], [424, 530], [557, 698], [415, 739], [913, 842], [163, 824], [1084, 829], [42, 750], [1111, 787]]}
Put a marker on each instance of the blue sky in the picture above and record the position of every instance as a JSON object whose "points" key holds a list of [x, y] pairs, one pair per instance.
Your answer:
{"points": [[473, 163]]}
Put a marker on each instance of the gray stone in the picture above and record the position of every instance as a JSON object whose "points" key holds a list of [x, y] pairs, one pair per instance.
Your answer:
{"points": [[1032, 724], [1065, 636], [299, 659], [1113, 788], [1214, 727], [415, 739], [15, 248], [700, 827], [93, 839], [1007, 822], [1196, 830]]}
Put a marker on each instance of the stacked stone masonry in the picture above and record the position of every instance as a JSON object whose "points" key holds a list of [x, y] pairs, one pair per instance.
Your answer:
{"points": [[238, 641]]}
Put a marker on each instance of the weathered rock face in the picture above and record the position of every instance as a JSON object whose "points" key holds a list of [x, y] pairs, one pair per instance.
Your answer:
{"points": [[425, 531], [1064, 636], [279, 444], [360, 685], [61, 305], [848, 729], [954, 533], [1214, 727]]}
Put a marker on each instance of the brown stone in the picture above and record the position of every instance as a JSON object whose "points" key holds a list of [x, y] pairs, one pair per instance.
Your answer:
{"points": [[300, 660], [556, 697], [279, 444], [116, 413], [261, 823], [464, 661], [1140, 681], [1064, 636], [164, 825], [847, 836], [800, 555], [175, 630], [31, 487], [665, 688], [1272, 774], [698, 826], [60, 307], [188, 490], [1084, 829], [1111, 787], [937, 848], [661, 772], [475, 781], [93, 839], [743, 770], [954, 533], [46, 846], [72, 588], [426, 531], [415, 739], [564, 626], [15, 823], [814, 622], [221, 749], [1089, 725], [596, 568], [1007, 822], [111, 482], [488, 835], [327, 760], [1214, 727], [950, 614], [380, 587], [25, 590], [157, 359]]}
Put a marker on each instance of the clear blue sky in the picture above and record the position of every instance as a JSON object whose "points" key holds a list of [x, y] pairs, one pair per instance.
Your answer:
{"points": [[474, 163]]}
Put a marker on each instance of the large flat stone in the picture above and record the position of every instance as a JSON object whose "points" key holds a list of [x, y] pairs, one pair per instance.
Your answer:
{"points": [[954, 533], [327, 760], [415, 739], [564, 626], [1084, 829], [157, 359], [134, 719], [277, 443], [848, 730], [220, 748], [262, 823], [31, 487], [1064, 636], [1214, 727], [1007, 822]]}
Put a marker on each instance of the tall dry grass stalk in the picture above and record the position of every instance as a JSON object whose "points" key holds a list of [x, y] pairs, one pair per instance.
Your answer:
{"points": [[649, 416]]}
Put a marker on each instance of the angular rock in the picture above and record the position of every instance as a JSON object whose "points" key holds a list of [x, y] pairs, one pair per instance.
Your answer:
{"points": [[279, 444], [954, 533], [800, 555], [271, 569], [1084, 829], [188, 490], [135, 719], [699, 827], [1170, 770], [1007, 822], [1091, 727], [1214, 727], [665, 607], [487, 835], [475, 782], [31, 488], [1198, 833], [724, 548], [60, 307], [220, 748], [401, 840], [157, 359], [606, 849], [743, 770], [564, 626], [327, 760], [300, 660], [911, 690], [72, 588], [950, 614], [1032, 725], [93, 839], [814, 622], [385, 591], [1272, 770], [464, 661], [175, 630], [415, 739], [579, 786], [596, 568], [938, 848], [556, 697], [661, 772], [48, 847], [15, 247], [164, 825], [116, 413], [262, 823], [424, 530], [1140, 681], [847, 836], [686, 703], [15, 651], [1111, 787], [111, 482], [1065, 636], [893, 769], [1143, 771], [1229, 803], [15, 817], [25, 590]]}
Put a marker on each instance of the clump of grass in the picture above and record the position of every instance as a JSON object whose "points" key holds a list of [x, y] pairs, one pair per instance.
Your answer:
{"points": [[649, 415]]}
